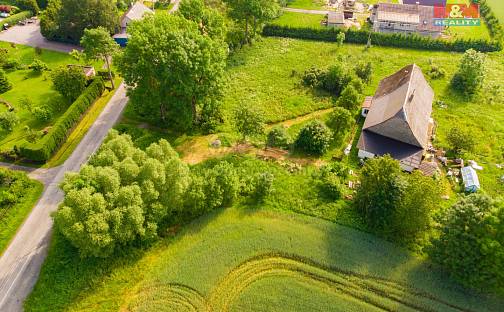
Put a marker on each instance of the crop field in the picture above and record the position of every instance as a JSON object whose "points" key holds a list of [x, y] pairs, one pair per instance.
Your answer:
{"points": [[239, 259]]}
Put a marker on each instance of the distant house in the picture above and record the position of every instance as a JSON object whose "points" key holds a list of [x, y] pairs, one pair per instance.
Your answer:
{"points": [[405, 19], [335, 19], [398, 121], [136, 12], [470, 179]]}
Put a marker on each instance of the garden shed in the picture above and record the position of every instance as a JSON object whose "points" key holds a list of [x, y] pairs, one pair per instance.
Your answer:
{"points": [[470, 179], [335, 19]]}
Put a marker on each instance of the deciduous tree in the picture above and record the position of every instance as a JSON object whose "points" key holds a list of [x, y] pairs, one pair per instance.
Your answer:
{"points": [[471, 73]]}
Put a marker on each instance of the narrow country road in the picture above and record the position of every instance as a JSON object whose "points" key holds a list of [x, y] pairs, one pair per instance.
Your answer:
{"points": [[20, 264]]}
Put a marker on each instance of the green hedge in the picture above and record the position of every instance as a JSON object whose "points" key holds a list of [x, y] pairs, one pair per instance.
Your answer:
{"points": [[381, 39], [43, 149], [14, 19], [493, 23]]}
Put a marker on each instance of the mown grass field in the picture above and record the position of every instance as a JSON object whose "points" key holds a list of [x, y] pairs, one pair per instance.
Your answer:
{"points": [[36, 87], [307, 4], [299, 20], [13, 217], [245, 260]]}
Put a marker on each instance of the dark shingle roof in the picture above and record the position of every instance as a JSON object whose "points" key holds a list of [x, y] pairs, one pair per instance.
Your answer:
{"points": [[421, 15], [401, 107]]}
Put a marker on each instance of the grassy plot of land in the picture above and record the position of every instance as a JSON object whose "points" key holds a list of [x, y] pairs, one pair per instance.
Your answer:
{"points": [[239, 260], [35, 87], [268, 76], [307, 4], [299, 20], [12, 216], [497, 7]]}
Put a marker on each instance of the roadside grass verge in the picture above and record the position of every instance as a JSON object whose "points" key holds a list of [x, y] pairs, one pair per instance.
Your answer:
{"points": [[81, 129], [235, 260], [12, 219]]}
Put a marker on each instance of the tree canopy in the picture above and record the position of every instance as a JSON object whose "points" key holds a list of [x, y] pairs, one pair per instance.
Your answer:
{"points": [[66, 20], [172, 69], [471, 73], [121, 196]]}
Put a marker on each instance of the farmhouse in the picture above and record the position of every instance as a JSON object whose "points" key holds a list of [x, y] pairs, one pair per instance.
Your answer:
{"points": [[405, 18], [398, 121], [136, 12]]}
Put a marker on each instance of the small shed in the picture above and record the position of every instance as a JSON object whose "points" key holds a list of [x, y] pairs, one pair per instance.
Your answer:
{"points": [[335, 19], [470, 179], [366, 105]]}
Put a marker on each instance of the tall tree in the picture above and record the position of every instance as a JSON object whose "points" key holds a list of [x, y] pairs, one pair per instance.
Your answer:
{"points": [[253, 13], [171, 69], [5, 85], [471, 73], [98, 44], [65, 20]]}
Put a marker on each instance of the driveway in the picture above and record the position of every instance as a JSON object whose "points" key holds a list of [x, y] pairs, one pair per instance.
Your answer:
{"points": [[20, 264], [30, 35]]}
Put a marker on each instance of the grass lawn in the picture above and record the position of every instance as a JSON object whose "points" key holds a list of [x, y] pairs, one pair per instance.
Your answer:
{"points": [[37, 88], [497, 7], [299, 20], [12, 218], [307, 4], [248, 260]]}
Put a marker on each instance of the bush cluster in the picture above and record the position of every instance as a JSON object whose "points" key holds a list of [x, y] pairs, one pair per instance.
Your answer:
{"points": [[314, 138], [278, 137], [42, 150], [381, 39], [13, 185], [471, 242], [14, 19]]}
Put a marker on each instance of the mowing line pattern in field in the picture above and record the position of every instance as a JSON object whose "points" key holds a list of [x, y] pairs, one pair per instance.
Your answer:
{"points": [[376, 294]]}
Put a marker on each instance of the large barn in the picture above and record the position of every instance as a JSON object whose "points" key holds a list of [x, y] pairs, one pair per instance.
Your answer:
{"points": [[399, 120]]}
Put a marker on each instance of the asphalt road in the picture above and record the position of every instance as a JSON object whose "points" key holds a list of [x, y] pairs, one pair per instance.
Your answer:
{"points": [[20, 264]]}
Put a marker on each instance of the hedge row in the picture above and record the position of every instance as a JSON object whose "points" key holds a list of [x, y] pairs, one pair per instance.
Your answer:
{"points": [[43, 149], [381, 39], [14, 19], [494, 26]]}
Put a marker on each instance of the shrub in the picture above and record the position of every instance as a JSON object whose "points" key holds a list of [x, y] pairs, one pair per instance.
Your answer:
{"points": [[313, 76], [11, 64], [471, 73], [391, 40], [211, 116], [26, 103], [248, 121], [314, 138], [42, 113], [14, 19], [340, 121], [278, 137], [28, 5], [364, 71], [69, 82], [8, 120], [335, 79], [5, 85], [38, 66], [349, 98], [263, 186], [460, 140], [45, 147], [470, 242]]}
